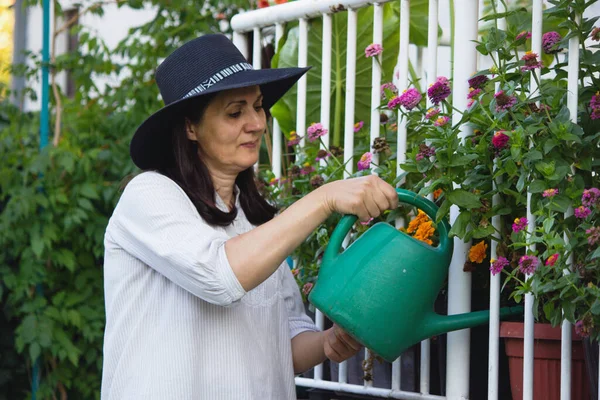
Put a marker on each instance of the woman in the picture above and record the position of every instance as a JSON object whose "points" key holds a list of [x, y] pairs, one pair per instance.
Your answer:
{"points": [[199, 301]]}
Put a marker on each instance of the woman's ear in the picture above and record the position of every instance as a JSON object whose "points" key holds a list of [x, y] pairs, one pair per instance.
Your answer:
{"points": [[190, 130]]}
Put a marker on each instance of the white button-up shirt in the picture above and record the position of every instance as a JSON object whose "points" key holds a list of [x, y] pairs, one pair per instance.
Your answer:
{"points": [[178, 323]]}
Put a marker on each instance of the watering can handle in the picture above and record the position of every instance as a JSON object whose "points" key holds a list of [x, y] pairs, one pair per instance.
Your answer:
{"points": [[404, 196]]}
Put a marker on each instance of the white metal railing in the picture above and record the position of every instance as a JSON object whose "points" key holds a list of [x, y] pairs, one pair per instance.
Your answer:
{"points": [[465, 63]]}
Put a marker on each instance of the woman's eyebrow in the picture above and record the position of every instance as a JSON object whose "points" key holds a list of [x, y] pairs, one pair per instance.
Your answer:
{"points": [[243, 101]]}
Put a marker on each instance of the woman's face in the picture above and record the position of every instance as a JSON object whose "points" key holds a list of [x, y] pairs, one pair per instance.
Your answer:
{"points": [[230, 131]]}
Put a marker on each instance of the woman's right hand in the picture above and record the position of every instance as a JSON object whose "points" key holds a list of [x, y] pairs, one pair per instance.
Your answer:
{"points": [[366, 197]]}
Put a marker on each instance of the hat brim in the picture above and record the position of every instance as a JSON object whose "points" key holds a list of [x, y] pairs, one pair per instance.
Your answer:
{"points": [[153, 136]]}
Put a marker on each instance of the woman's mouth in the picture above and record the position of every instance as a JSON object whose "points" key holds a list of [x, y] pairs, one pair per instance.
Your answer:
{"points": [[250, 145]]}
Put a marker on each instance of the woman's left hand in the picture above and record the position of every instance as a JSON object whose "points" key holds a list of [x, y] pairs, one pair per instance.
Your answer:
{"points": [[338, 345]]}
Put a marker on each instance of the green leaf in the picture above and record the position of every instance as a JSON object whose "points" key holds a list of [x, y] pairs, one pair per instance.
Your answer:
{"points": [[483, 232], [464, 199], [537, 186], [443, 211], [88, 190], [459, 227], [596, 307], [548, 224], [34, 351], [595, 254]]}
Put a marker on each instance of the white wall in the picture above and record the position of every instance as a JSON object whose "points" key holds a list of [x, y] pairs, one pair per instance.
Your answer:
{"points": [[112, 27]]}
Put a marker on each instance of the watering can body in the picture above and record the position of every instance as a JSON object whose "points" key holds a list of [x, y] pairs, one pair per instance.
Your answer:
{"points": [[382, 288]]}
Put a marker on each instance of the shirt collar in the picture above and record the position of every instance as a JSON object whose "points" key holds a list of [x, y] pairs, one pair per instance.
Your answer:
{"points": [[221, 204]]}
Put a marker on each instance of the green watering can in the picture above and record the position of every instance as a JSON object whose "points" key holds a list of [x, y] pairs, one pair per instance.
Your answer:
{"points": [[382, 288]]}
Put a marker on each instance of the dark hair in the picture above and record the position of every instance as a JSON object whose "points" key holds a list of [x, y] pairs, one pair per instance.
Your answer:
{"points": [[191, 174]]}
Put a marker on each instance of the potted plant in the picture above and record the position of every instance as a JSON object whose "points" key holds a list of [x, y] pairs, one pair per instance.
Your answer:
{"points": [[525, 143]]}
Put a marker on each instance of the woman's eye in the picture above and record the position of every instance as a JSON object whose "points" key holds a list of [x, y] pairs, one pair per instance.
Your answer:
{"points": [[258, 108], [235, 114]]}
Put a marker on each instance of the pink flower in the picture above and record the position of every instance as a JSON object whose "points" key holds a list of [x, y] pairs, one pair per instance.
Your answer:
{"points": [[473, 93], [358, 126], [523, 35], [410, 98], [295, 271], [595, 106], [550, 193], [478, 82], [373, 49], [365, 161], [500, 140], [432, 112], [593, 235], [552, 260], [394, 103], [273, 181], [504, 101], [582, 212], [425, 152], [315, 131], [531, 61], [389, 86], [582, 329], [307, 288], [590, 197], [498, 265], [440, 90], [519, 224], [550, 42], [441, 121], [307, 169], [294, 139], [595, 35], [528, 264]]}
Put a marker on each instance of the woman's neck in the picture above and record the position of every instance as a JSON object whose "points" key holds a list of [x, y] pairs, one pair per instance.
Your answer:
{"points": [[225, 186]]}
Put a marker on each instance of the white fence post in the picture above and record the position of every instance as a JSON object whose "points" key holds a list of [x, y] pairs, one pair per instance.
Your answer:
{"points": [[459, 282]]}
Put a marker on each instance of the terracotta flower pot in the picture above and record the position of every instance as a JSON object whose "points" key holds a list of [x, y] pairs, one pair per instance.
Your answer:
{"points": [[546, 364]]}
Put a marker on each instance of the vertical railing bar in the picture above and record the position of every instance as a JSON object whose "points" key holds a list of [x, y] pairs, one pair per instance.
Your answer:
{"points": [[302, 84], [429, 78], [494, 325], [368, 383], [349, 125], [256, 64], [396, 374], [402, 81], [326, 80], [572, 99], [277, 136], [241, 42], [376, 80], [528, 329], [324, 119], [320, 322], [350, 94], [459, 282]]}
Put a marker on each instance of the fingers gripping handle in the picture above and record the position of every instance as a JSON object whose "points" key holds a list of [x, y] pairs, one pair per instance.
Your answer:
{"points": [[404, 196]]}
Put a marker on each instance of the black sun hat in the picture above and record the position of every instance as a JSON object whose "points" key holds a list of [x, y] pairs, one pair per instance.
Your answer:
{"points": [[208, 64]]}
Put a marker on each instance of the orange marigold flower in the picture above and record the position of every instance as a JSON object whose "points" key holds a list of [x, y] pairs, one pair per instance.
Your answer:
{"points": [[425, 232], [437, 193], [417, 221], [477, 252]]}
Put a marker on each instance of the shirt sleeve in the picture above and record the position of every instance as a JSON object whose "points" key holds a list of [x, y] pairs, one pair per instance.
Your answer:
{"points": [[157, 223], [298, 320]]}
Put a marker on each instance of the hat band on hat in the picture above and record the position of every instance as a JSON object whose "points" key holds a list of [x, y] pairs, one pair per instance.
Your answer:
{"points": [[219, 76]]}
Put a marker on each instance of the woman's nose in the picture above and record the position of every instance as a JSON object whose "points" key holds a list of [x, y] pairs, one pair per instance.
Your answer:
{"points": [[257, 121]]}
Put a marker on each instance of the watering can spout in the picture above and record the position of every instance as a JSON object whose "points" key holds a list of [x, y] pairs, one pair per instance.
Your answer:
{"points": [[437, 324]]}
